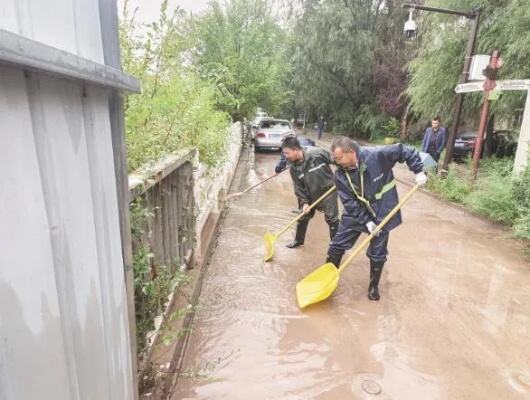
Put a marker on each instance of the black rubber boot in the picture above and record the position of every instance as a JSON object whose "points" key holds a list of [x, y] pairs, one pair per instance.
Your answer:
{"points": [[301, 229], [335, 259], [333, 229], [376, 268]]}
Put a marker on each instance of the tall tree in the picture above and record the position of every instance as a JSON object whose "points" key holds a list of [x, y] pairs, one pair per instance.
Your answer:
{"points": [[505, 25], [241, 47], [348, 59]]}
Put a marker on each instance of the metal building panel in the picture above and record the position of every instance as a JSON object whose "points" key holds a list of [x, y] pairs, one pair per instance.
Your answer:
{"points": [[88, 30], [53, 23], [9, 16], [64, 329], [103, 187], [60, 139], [32, 357], [29, 54]]}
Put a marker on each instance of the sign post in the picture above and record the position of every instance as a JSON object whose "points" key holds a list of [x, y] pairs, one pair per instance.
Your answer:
{"points": [[489, 85], [521, 156]]}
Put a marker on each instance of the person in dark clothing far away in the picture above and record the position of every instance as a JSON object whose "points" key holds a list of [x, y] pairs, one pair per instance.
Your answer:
{"points": [[320, 124], [367, 190], [434, 139], [312, 177]]}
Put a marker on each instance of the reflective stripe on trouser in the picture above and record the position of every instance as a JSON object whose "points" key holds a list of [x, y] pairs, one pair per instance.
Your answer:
{"points": [[347, 236]]}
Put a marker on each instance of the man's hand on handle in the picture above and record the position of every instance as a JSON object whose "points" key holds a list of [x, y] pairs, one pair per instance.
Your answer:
{"points": [[421, 178], [372, 228]]}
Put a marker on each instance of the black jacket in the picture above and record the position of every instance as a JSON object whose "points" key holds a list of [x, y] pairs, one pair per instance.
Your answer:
{"points": [[282, 162], [312, 176]]}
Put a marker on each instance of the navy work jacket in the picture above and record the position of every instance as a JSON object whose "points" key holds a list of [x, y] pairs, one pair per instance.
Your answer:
{"points": [[369, 194]]}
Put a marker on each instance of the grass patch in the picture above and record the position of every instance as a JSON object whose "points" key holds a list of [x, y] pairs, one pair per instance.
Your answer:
{"points": [[496, 193]]}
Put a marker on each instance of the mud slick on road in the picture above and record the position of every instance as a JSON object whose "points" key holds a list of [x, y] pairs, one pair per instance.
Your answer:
{"points": [[453, 321]]}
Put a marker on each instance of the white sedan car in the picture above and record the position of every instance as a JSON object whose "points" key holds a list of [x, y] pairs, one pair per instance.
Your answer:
{"points": [[254, 124], [270, 133]]}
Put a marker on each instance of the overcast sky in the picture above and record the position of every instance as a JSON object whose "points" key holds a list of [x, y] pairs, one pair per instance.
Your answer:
{"points": [[148, 9]]}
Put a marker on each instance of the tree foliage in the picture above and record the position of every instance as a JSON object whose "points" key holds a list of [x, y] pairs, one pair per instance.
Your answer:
{"points": [[348, 59], [241, 48], [504, 25], [176, 108]]}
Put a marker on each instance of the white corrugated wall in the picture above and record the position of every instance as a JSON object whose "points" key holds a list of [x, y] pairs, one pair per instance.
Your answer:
{"points": [[63, 311]]}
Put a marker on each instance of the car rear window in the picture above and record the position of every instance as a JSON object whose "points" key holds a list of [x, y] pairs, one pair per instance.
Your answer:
{"points": [[274, 124]]}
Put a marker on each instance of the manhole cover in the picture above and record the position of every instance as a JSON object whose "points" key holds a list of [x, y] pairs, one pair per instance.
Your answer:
{"points": [[524, 380], [371, 387]]}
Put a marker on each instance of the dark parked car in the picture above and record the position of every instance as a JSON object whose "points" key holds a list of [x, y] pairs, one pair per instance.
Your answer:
{"points": [[503, 144], [464, 145]]}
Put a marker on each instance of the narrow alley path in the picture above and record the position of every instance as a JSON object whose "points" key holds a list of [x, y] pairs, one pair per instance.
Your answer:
{"points": [[453, 321]]}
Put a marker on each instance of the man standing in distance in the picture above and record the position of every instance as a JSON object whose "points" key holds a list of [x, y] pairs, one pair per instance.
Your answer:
{"points": [[434, 139]]}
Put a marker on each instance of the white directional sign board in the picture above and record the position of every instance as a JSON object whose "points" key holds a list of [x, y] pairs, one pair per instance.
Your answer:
{"points": [[523, 145], [516, 84]]}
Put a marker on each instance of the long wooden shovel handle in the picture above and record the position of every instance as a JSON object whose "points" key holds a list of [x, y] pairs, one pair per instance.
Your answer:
{"points": [[257, 184], [263, 181], [311, 206], [379, 227]]}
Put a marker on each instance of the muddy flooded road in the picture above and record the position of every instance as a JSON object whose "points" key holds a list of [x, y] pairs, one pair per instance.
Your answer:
{"points": [[453, 321]]}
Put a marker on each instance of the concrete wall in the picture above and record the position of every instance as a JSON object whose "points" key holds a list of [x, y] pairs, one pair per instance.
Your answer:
{"points": [[213, 183]]}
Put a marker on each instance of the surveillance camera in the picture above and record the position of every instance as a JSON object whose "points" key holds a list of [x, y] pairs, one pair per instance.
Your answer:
{"points": [[410, 29]]}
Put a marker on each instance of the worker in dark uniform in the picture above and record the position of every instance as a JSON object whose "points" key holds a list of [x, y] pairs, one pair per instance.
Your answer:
{"points": [[312, 177], [367, 189], [282, 162]]}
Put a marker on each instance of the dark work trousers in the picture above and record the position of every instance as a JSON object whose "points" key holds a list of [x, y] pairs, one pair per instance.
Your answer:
{"points": [[348, 233], [434, 154], [329, 206]]}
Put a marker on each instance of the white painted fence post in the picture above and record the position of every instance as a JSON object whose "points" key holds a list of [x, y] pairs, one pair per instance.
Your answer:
{"points": [[521, 157]]}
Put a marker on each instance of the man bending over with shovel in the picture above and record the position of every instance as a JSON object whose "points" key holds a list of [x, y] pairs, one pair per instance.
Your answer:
{"points": [[367, 189], [312, 177]]}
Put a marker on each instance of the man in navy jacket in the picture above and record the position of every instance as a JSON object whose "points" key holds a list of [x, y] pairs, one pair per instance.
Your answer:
{"points": [[367, 190], [434, 139]]}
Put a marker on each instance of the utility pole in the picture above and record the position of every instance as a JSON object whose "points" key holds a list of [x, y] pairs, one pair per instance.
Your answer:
{"points": [[473, 15], [489, 85]]}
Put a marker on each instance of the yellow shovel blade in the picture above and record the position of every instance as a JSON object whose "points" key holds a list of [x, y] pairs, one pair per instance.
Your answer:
{"points": [[269, 240], [317, 286]]}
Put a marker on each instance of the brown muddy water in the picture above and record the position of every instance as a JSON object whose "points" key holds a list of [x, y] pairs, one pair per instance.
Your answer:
{"points": [[453, 321]]}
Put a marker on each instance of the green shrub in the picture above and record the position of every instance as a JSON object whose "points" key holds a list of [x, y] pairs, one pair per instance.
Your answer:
{"points": [[492, 196], [181, 113], [521, 226], [152, 286], [176, 108], [372, 124], [152, 283], [453, 188], [521, 195], [495, 194]]}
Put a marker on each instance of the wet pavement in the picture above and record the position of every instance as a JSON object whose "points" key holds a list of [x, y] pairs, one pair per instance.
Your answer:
{"points": [[453, 321]]}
